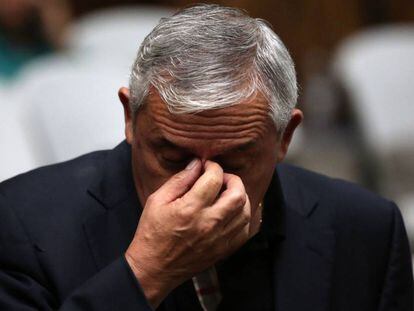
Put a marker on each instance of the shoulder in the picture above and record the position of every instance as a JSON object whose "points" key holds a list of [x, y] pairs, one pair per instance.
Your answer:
{"points": [[329, 188], [364, 223], [45, 180], [56, 191], [350, 205]]}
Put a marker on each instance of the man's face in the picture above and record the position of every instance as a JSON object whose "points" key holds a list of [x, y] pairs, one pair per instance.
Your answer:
{"points": [[242, 139]]}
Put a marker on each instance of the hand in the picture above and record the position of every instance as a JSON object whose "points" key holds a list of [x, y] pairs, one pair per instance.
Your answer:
{"points": [[186, 226]]}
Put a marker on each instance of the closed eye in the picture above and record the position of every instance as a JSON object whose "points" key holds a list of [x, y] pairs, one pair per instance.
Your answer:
{"points": [[174, 163]]}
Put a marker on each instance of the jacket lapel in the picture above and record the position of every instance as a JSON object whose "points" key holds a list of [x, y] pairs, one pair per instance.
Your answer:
{"points": [[304, 258], [110, 231]]}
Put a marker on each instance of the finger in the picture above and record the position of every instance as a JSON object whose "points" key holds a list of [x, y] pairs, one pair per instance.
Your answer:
{"points": [[237, 232], [239, 221], [238, 239], [206, 189], [256, 219], [179, 184], [231, 201]]}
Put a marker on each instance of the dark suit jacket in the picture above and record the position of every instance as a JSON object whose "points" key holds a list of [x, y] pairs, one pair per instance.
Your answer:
{"points": [[64, 229]]}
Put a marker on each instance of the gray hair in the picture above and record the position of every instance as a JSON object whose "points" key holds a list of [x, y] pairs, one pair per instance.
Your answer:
{"points": [[210, 57]]}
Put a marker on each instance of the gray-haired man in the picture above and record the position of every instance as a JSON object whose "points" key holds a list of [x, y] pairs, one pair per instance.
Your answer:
{"points": [[195, 204]]}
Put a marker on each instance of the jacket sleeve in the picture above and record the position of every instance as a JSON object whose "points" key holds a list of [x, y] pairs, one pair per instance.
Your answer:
{"points": [[23, 285], [398, 292], [114, 288]]}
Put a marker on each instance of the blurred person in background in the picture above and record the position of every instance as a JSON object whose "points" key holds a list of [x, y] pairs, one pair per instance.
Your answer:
{"points": [[28, 29], [194, 211]]}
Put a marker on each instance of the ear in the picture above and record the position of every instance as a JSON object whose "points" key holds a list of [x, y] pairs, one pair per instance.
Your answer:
{"points": [[124, 97], [295, 120]]}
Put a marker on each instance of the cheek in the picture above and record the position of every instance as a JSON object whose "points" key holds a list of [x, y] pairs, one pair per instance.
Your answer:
{"points": [[148, 174], [256, 185], [257, 179]]}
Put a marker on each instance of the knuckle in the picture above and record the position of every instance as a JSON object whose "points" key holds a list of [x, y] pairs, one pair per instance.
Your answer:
{"points": [[178, 178], [246, 217], [184, 212], [215, 222], [236, 179], [215, 166], [238, 198], [218, 168], [214, 182], [151, 200], [206, 228], [210, 224]]}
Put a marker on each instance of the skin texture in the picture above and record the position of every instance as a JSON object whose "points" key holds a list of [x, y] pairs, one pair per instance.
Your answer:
{"points": [[196, 216]]}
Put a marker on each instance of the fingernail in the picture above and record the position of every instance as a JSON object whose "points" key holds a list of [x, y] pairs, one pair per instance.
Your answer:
{"points": [[191, 165]]}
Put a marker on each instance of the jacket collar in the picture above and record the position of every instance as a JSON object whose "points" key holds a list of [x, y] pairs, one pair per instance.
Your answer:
{"points": [[110, 231], [284, 192], [293, 192], [303, 261], [114, 182]]}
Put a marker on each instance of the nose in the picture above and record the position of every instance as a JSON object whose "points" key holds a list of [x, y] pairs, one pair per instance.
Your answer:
{"points": [[203, 160]]}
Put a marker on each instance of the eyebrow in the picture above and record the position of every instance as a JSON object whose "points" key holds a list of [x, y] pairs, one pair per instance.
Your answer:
{"points": [[246, 146], [161, 142]]}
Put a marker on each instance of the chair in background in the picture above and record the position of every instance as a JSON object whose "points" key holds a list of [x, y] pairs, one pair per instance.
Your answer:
{"points": [[406, 203], [15, 155], [68, 101], [69, 112], [111, 37], [376, 68]]}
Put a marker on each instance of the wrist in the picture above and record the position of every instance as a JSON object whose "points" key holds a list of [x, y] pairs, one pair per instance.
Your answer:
{"points": [[155, 288]]}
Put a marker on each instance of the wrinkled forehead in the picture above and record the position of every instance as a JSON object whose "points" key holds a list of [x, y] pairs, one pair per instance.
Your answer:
{"points": [[210, 131]]}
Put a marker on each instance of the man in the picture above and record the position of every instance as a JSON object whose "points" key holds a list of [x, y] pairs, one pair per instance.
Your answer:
{"points": [[190, 213]]}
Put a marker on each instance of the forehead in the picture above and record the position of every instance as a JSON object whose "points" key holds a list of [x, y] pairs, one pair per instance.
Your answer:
{"points": [[208, 132]]}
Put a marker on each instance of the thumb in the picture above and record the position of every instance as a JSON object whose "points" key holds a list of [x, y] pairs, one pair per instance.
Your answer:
{"points": [[180, 183]]}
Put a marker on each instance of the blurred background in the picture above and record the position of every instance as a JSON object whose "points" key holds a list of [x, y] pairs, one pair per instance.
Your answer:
{"points": [[62, 62]]}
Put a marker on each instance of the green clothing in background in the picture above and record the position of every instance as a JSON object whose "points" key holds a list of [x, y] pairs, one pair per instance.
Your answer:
{"points": [[14, 56]]}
